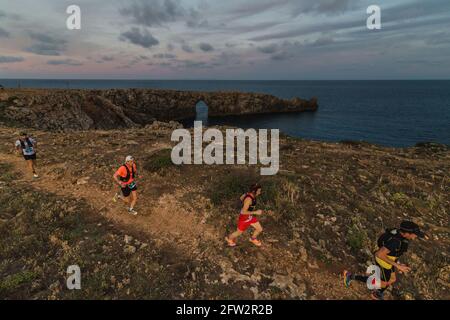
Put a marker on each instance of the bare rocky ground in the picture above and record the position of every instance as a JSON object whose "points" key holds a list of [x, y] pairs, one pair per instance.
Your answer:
{"points": [[330, 201]]}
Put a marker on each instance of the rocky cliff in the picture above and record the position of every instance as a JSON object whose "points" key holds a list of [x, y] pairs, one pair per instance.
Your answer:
{"points": [[125, 108]]}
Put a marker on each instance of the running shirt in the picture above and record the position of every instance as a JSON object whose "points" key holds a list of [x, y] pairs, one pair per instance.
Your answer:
{"points": [[253, 204], [122, 172], [397, 246], [245, 220], [251, 207], [29, 149]]}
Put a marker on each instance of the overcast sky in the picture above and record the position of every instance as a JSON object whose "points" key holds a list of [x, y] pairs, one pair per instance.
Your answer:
{"points": [[225, 39]]}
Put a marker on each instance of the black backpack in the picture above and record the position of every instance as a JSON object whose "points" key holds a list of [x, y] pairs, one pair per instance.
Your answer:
{"points": [[393, 234], [387, 236], [22, 144], [240, 203], [132, 173]]}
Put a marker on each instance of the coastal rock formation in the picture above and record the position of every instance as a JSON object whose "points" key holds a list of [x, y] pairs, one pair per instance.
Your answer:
{"points": [[55, 109]]}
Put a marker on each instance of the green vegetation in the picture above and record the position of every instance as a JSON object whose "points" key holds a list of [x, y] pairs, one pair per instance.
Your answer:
{"points": [[282, 196], [279, 194], [356, 237], [13, 282], [402, 199], [228, 188], [158, 161]]}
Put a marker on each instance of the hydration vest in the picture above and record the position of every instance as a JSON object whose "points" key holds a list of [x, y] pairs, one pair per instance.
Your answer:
{"points": [[253, 205], [129, 174], [29, 143], [393, 235]]}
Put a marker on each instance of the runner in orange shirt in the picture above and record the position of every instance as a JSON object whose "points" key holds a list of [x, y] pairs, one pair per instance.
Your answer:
{"points": [[125, 178]]}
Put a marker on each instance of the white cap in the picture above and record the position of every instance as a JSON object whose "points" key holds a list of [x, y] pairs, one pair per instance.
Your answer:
{"points": [[129, 158]]}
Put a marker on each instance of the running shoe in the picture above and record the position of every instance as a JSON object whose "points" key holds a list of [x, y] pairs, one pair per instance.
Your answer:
{"points": [[116, 196], [231, 243], [347, 278], [377, 295], [256, 242]]}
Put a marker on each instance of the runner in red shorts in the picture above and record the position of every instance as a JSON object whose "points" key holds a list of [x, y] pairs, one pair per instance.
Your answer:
{"points": [[247, 217]]}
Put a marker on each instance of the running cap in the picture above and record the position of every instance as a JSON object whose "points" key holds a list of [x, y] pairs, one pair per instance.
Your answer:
{"points": [[129, 158], [411, 227]]}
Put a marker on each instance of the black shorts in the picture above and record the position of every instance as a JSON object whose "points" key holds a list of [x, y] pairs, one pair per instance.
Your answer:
{"points": [[386, 273], [127, 191], [30, 157]]}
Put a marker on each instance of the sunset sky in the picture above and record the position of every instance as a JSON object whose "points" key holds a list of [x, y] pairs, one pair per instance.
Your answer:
{"points": [[233, 39]]}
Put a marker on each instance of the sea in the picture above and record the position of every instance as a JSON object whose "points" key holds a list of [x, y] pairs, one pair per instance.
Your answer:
{"points": [[388, 113]]}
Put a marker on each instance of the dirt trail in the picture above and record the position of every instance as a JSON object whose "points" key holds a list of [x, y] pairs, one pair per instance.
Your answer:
{"points": [[168, 221]]}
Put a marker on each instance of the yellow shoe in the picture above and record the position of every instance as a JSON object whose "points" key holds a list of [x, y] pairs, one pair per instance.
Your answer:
{"points": [[256, 242], [116, 196]]}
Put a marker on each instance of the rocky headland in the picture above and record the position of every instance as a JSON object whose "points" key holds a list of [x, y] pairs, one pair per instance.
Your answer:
{"points": [[58, 109]]}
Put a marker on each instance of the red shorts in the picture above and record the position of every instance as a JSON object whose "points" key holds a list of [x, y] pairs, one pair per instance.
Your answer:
{"points": [[245, 221]]}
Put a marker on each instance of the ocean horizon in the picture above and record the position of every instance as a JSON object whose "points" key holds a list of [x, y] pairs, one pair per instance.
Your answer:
{"points": [[393, 113]]}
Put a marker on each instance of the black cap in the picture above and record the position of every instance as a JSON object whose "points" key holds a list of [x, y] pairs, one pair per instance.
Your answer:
{"points": [[23, 133], [411, 227]]}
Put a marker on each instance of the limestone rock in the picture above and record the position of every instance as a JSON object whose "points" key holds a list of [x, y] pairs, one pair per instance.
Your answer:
{"points": [[64, 110]]}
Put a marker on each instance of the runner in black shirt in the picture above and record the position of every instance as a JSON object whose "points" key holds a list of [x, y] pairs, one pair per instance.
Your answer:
{"points": [[392, 244]]}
